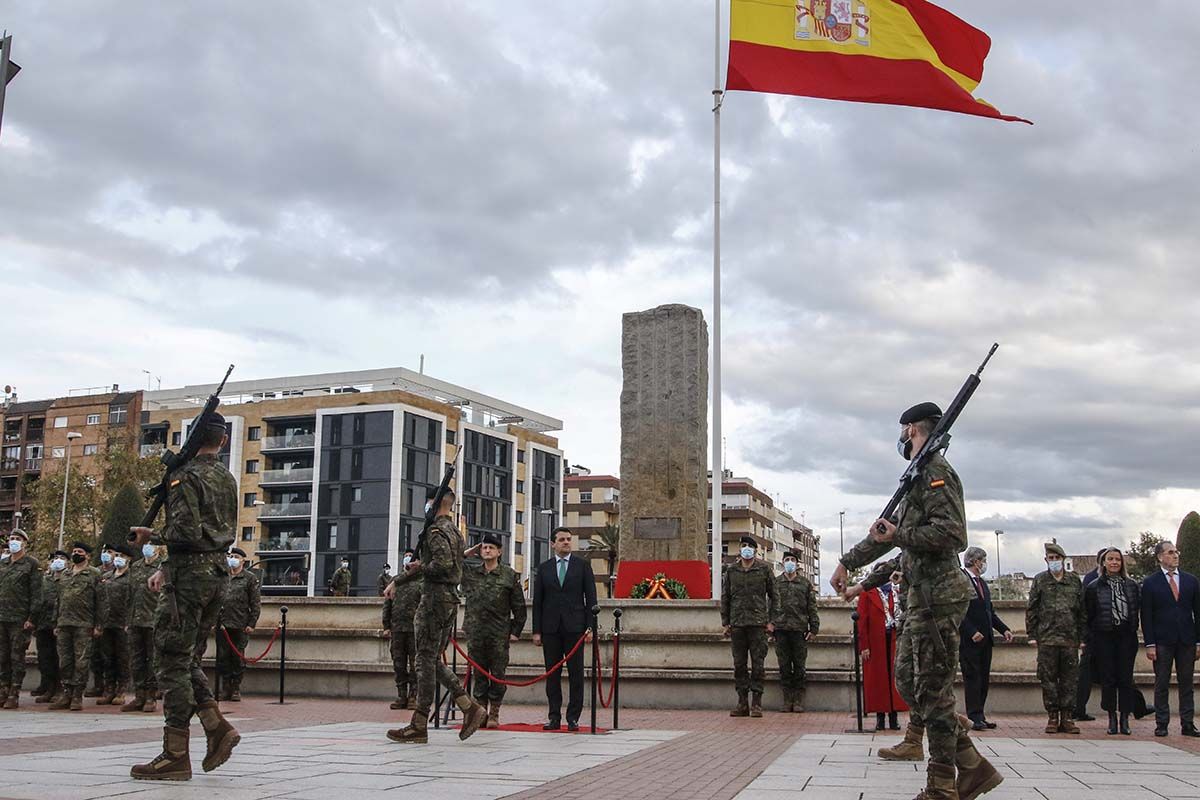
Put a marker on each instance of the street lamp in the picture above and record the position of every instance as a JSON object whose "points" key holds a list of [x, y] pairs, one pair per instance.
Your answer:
{"points": [[841, 532], [62, 517], [999, 590]]}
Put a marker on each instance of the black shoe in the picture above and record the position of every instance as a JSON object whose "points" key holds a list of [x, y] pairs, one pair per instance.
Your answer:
{"points": [[1190, 731], [572, 726], [879, 723], [552, 725], [979, 726], [1112, 723], [1125, 724], [1160, 732], [1084, 717], [991, 726]]}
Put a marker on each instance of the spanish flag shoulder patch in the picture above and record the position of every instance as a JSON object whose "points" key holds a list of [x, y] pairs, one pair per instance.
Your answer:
{"points": [[176, 482], [939, 483]]}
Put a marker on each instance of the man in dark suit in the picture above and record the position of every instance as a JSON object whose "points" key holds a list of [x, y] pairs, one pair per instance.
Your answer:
{"points": [[1171, 628], [975, 639], [1083, 692], [564, 592]]}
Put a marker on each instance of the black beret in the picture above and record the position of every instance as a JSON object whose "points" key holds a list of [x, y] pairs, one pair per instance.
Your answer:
{"points": [[215, 422], [410, 550], [237, 551], [919, 412], [59, 553], [490, 538], [750, 541], [84, 546], [19, 532], [107, 546], [791, 554]]}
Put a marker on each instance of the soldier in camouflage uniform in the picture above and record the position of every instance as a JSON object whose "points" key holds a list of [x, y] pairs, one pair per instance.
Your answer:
{"points": [[239, 614], [748, 604], [439, 563], [797, 622], [47, 646], [931, 531], [1055, 622], [340, 583], [20, 597], [143, 604], [113, 639], [76, 626], [399, 610], [495, 617], [385, 578], [97, 659], [201, 513]]}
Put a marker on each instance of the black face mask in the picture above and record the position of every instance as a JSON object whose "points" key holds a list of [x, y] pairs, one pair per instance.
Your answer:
{"points": [[904, 447], [78, 558]]}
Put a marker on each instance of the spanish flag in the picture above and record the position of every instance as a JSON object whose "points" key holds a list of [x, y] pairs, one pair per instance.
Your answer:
{"points": [[897, 52]]}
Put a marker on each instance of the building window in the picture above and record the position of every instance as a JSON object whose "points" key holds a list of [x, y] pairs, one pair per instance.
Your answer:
{"points": [[252, 466], [249, 499], [247, 533], [520, 487], [93, 419], [585, 497], [90, 449], [520, 517], [176, 438], [59, 452], [520, 456], [60, 422], [451, 436], [333, 536], [254, 433], [116, 415], [357, 493]]}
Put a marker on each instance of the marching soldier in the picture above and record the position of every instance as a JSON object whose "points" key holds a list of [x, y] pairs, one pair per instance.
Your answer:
{"points": [[439, 563], [76, 626], [20, 597], [931, 531], [142, 605], [385, 577], [399, 610], [1055, 622], [239, 614], [748, 603], [340, 583], [495, 617], [111, 637], [797, 622], [201, 512], [47, 645]]}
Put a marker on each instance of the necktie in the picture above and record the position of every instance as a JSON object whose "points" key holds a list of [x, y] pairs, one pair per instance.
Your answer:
{"points": [[1174, 585], [979, 587], [562, 573]]}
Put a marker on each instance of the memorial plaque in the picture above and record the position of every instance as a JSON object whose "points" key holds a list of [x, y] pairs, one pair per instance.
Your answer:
{"points": [[656, 528]]}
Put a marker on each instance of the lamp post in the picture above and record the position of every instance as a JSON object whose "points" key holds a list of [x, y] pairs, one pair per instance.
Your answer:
{"points": [[62, 517], [999, 589], [841, 532]]}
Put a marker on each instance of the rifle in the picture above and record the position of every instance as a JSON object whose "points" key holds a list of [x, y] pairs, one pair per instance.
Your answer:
{"points": [[939, 439], [434, 505], [173, 463]]}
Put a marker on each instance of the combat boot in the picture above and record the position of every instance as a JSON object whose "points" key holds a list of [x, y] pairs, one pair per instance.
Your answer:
{"points": [[401, 701], [14, 699], [137, 703], [742, 709], [493, 719], [799, 709], [1051, 722], [151, 704], [474, 715], [789, 702], [235, 691], [174, 763], [756, 704], [118, 697], [49, 695], [4, 694], [62, 700], [1066, 724], [77, 698], [911, 749], [939, 783], [415, 732], [220, 736], [976, 775], [106, 698]]}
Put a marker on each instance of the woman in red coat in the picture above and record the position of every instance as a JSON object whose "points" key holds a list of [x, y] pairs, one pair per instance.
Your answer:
{"points": [[878, 613]]}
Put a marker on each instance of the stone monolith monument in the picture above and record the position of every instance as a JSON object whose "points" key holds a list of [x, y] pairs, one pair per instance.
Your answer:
{"points": [[664, 441]]}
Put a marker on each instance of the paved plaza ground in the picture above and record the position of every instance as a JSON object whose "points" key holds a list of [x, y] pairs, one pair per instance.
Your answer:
{"points": [[336, 750]]}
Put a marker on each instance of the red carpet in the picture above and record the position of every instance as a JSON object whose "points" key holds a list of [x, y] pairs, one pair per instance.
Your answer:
{"points": [[536, 727]]}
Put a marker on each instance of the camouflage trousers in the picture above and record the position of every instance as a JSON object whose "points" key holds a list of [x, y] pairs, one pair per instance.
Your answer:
{"points": [[199, 587], [433, 625], [96, 665], [74, 655], [114, 657], [47, 656], [749, 642], [925, 676], [229, 665], [143, 661], [791, 650], [14, 641], [1058, 672], [404, 654], [491, 653]]}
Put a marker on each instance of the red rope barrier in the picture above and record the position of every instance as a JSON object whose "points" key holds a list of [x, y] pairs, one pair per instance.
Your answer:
{"points": [[538, 679], [241, 655], [612, 681]]}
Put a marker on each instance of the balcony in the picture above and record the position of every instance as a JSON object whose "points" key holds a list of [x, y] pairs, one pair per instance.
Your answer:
{"points": [[33, 465], [291, 441], [285, 544], [10, 436], [279, 477], [10, 465], [285, 511], [7, 496]]}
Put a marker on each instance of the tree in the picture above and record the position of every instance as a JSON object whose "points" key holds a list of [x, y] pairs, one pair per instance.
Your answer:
{"points": [[1140, 559], [125, 511], [607, 538], [1188, 542]]}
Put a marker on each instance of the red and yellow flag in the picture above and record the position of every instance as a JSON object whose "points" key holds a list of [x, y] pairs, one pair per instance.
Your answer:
{"points": [[897, 52]]}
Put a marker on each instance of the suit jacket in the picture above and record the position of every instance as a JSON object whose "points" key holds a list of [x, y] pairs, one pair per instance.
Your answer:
{"points": [[981, 616], [1168, 621], [566, 608]]}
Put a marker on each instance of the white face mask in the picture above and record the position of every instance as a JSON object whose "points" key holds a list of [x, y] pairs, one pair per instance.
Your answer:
{"points": [[789, 567], [428, 505], [106, 558], [407, 560], [119, 562], [747, 552], [1055, 566], [58, 564], [15, 545], [148, 550], [232, 562], [4, 556]]}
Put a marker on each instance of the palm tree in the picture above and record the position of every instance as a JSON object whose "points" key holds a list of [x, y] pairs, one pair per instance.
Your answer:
{"points": [[608, 538]]}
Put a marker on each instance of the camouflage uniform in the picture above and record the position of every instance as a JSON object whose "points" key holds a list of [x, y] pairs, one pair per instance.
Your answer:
{"points": [[382, 582], [76, 621], [341, 582], [44, 619], [240, 608], [143, 661], [1055, 619], [495, 611], [932, 531], [112, 616], [795, 616], [441, 570], [748, 603], [398, 615], [20, 597]]}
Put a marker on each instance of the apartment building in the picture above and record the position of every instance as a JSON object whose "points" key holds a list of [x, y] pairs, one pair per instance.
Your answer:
{"points": [[592, 505], [336, 466]]}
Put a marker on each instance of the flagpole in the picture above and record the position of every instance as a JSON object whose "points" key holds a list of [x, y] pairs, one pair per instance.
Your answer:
{"points": [[718, 471]]}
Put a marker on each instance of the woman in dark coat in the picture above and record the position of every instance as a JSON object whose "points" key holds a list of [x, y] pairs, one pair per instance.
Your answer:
{"points": [[1112, 604]]}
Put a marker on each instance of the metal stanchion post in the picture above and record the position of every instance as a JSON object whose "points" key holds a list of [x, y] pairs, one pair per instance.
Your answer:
{"points": [[283, 610], [858, 697], [616, 674], [595, 650]]}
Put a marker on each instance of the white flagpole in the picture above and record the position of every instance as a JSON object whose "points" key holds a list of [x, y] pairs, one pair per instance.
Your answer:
{"points": [[718, 470]]}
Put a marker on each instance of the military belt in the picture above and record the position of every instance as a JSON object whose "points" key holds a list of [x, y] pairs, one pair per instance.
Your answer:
{"points": [[188, 557]]}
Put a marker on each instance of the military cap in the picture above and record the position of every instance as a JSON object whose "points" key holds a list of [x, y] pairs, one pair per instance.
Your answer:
{"points": [[215, 422], [62, 553], [791, 554], [20, 533], [750, 541], [1056, 549], [84, 546], [410, 550], [237, 551], [490, 538], [919, 412]]}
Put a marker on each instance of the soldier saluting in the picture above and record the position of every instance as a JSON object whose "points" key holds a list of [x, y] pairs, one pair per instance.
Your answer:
{"points": [[495, 617]]}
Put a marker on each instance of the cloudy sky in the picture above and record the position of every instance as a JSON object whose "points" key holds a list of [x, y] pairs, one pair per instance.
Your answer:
{"points": [[303, 188]]}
